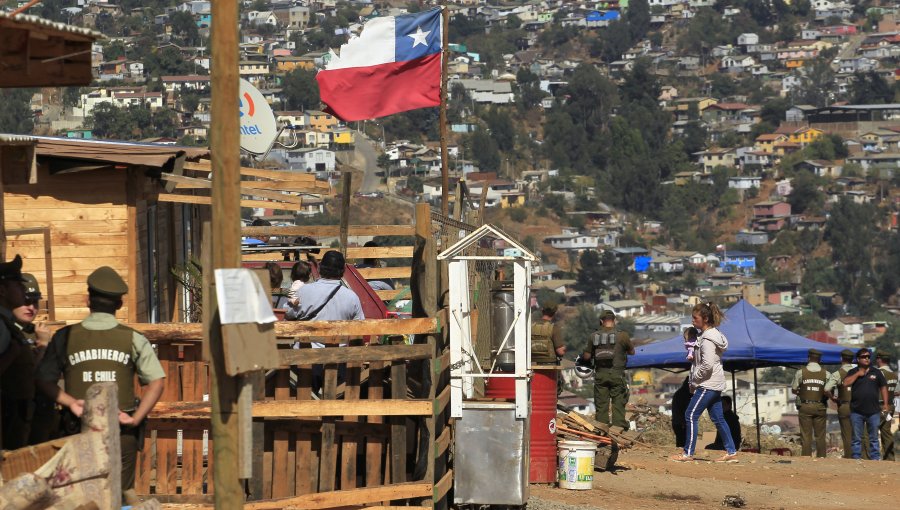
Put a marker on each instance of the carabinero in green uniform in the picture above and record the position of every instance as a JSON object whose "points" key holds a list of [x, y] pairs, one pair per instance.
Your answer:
{"points": [[100, 349], [609, 348], [887, 437], [809, 386], [547, 346], [841, 398]]}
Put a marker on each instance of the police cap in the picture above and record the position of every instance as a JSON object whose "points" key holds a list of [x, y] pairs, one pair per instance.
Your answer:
{"points": [[847, 354], [606, 315], [883, 355], [32, 289], [12, 270], [105, 280], [815, 353]]}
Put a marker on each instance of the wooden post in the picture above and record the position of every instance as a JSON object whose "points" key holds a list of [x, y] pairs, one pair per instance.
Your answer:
{"points": [[48, 271], [458, 206], [345, 211], [445, 163], [226, 237]]}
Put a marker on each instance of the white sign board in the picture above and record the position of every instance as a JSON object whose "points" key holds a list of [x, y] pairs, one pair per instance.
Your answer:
{"points": [[258, 128], [242, 298]]}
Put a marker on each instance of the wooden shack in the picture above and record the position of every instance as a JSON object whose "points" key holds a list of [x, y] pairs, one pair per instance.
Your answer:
{"points": [[99, 201]]}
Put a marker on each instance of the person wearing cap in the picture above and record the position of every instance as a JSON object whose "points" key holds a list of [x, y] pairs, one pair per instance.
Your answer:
{"points": [[100, 349], [809, 386], [866, 384], [327, 299], [31, 415], [16, 360], [842, 399], [882, 361], [609, 349], [547, 345]]}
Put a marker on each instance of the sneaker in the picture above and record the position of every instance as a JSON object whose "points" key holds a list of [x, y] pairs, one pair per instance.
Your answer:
{"points": [[728, 457], [680, 457]]}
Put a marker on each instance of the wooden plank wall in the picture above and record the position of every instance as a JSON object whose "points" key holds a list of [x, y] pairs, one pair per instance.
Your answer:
{"points": [[88, 221], [321, 451], [355, 253]]}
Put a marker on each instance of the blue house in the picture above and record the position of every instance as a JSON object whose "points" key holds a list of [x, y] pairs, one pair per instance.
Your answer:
{"points": [[738, 262], [600, 18]]}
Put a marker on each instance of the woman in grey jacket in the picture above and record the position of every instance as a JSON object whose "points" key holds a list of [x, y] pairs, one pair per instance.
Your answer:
{"points": [[707, 382]]}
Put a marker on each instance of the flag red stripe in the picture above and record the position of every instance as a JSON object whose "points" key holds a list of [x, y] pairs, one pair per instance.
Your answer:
{"points": [[359, 93]]}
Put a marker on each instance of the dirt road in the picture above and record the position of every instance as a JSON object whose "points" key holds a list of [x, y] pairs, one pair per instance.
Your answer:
{"points": [[647, 480]]}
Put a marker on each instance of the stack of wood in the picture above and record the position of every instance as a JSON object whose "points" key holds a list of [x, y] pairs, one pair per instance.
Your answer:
{"points": [[579, 427], [84, 471]]}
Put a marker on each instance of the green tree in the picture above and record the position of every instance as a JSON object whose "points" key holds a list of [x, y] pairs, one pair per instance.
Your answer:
{"points": [[501, 127], [484, 150], [301, 90], [589, 280], [638, 18], [802, 324], [185, 27], [579, 328], [889, 340], [851, 230], [805, 195], [16, 116], [870, 88]]}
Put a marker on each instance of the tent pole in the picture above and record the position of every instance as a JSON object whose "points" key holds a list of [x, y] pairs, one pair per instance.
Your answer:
{"points": [[756, 400]]}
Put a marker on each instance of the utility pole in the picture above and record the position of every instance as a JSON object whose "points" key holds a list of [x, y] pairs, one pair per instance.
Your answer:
{"points": [[226, 238]]}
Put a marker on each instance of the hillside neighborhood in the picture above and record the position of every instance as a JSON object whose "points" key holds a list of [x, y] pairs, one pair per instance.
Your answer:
{"points": [[654, 154]]}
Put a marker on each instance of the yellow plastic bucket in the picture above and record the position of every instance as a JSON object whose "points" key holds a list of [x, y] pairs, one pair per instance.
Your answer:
{"points": [[576, 465]]}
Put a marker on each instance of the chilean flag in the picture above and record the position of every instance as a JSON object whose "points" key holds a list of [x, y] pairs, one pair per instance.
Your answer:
{"points": [[394, 65]]}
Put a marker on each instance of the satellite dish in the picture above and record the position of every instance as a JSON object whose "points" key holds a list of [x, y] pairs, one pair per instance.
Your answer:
{"points": [[258, 127]]}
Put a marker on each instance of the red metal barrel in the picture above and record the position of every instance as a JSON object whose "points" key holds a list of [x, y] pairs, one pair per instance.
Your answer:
{"points": [[543, 466]]}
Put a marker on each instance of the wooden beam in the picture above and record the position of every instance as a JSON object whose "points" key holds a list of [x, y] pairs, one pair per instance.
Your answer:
{"points": [[378, 273], [195, 183], [226, 237], [194, 199], [286, 409], [440, 403], [275, 175], [335, 499], [354, 354], [443, 486], [189, 332], [380, 252], [331, 230]]}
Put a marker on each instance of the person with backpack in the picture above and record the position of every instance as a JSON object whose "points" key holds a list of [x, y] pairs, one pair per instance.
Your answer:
{"points": [[609, 349], [547, 345]]}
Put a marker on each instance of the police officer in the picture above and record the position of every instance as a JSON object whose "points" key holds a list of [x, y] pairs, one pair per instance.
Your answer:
{"points": [[809, 386], [609, 349], [44, 416], [547, 344], [882, 360], [16, 360], [100, 349], [840, 395]]}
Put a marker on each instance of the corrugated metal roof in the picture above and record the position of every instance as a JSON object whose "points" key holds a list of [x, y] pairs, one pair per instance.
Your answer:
{"points": [[10, 138], [27, 19]]}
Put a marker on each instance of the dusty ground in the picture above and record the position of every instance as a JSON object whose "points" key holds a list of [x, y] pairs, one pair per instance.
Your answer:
{"points": [[646, 479]]}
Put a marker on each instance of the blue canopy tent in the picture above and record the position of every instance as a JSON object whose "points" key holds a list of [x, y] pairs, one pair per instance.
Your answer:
{"points": [[753, 341]]}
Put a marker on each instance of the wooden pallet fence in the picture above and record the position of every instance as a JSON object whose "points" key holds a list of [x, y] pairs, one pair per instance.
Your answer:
{"points": [[343, 419]]}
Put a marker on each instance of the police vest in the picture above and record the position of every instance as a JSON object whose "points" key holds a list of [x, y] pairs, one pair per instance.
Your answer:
{"points": [[542, 349], [812, 385], [17, 382], [94, 356], [604, 343], [891, 378], [843, 391]]}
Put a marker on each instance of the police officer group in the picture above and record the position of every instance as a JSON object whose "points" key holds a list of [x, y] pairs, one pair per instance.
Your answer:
{"points": [[863, 394], [43, 379]]}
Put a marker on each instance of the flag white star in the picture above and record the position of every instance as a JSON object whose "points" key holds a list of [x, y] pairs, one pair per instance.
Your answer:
{"points": [[419, 37]]}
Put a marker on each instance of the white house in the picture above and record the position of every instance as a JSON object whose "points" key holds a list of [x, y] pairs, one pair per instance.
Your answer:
{"points": [[747, 39], [487, 91], [257, 18], [573, 241], [313, 159], [737, 63], [623, 308]]}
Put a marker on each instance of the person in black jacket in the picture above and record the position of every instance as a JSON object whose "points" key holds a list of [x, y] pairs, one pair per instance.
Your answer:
{"points": [[680, 401]]}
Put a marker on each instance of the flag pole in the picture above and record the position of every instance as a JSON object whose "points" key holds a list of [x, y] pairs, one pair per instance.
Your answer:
{"points": [[445, 170]]}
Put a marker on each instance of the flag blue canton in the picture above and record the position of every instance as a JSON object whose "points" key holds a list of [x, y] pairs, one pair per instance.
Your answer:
{"points": [[417, 35]]}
